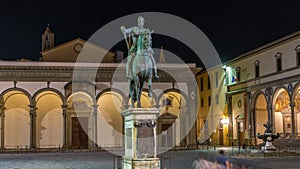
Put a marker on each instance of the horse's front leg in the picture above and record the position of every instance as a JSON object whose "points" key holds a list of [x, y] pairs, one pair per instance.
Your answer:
{"points": [[138, 93], [131, 92], [149, 86]]}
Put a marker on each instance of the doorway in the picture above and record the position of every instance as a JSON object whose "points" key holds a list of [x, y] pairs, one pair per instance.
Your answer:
{"points": [[167, 135], [240, 133], [79, 136]]}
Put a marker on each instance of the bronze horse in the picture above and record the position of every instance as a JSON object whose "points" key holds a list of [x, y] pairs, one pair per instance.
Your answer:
{"points": [[141, 69]]}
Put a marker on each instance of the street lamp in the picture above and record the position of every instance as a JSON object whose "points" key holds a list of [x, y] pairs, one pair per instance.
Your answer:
{"points": [[225, 121]]}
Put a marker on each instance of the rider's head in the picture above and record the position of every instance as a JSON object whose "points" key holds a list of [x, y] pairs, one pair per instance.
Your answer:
{"points": [[141, 21]]}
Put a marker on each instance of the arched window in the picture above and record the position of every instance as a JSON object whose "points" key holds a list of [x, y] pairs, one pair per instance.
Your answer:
{"points": [[278, 57], [256, 66], [297, 49]]}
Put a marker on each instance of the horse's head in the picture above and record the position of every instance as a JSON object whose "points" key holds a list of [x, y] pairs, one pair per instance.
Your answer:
{"points": [[145, 40]]}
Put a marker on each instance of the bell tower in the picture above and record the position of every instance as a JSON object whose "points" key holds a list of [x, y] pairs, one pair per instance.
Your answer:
{"points": [[47, 39]]}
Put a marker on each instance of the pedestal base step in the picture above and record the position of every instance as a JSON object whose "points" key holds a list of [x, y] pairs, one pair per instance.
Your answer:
{"points": [[141, 163]]}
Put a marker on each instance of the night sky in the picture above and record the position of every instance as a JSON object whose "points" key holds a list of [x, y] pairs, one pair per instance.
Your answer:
{"points": [[232, 27]]}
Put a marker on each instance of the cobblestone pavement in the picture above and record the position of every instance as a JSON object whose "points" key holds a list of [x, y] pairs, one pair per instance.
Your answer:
{"points": [[104, 160]]}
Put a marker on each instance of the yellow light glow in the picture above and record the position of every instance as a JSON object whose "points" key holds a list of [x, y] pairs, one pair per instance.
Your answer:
{"points": [[225, 121]]}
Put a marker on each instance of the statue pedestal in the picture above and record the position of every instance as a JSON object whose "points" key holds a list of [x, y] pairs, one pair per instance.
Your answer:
{"points": [[269, 148], [140, 138]]}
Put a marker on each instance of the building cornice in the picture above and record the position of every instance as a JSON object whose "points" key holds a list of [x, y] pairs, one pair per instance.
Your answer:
{"points": [[264, 48], [65, 72]]}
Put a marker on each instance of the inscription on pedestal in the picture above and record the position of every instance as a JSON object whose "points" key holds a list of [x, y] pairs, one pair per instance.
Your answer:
{"points": [[145, 142]]}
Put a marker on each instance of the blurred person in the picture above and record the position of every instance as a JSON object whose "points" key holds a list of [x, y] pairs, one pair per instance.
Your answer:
{"points": [[222, 162]]}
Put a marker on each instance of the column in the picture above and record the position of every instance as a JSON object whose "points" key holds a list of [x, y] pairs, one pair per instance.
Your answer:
{"points": [[94, 126], [269, 93], [192, 113], [293, 118], [270, 116], [32, 114], [64, 113], [251, 125], [2, 115], [230, 125]]}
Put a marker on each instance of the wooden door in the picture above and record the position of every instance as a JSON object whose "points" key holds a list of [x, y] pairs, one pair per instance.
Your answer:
{"points": [[79, 135]]}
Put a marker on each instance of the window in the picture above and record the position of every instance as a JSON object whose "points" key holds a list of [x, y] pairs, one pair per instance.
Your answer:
{"points": [[256, 64], [208, 82], [217, 78], [298, 58], [202, 102], [201, 84], [298, 55], [278, 62], [238, 74], [209, 100]]}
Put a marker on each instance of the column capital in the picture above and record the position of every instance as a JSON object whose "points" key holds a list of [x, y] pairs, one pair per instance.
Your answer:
{"points": [[2, 114], [33, 108], [64, 109], [292, 104], [2, 109], [95, 106]]}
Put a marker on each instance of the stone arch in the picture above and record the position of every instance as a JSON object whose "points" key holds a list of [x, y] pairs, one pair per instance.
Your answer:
{"points": [[111, 103], [17, 122], [20, 90], [49, 118], [278, 90], [296, 100], [254, 97], [295, 90], [61, 96], [173, 90], [80, 86], [282, 121], [260, 114], [112, 89], [173, 105], [80, 121]]}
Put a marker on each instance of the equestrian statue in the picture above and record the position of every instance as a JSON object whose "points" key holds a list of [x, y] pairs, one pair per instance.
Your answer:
{"points": [[141, 65]]}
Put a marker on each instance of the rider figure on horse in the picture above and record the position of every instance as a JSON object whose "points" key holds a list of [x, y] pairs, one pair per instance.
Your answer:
{"points": [[135, 32]]}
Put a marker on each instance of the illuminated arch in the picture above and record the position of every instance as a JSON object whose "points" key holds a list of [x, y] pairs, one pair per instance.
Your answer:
{"points": [[173, 90], [17, 89], [69, 89], [114, 90], [169, 121], [254, 97], [296, 100], [49, 118], [16, 102], [109, 120], [57, 92], [282, 112], [260, 114]]}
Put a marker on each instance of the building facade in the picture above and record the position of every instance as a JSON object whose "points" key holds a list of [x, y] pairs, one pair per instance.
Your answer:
{"points": [[262, 86], [50, 104], [212, 113]]}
